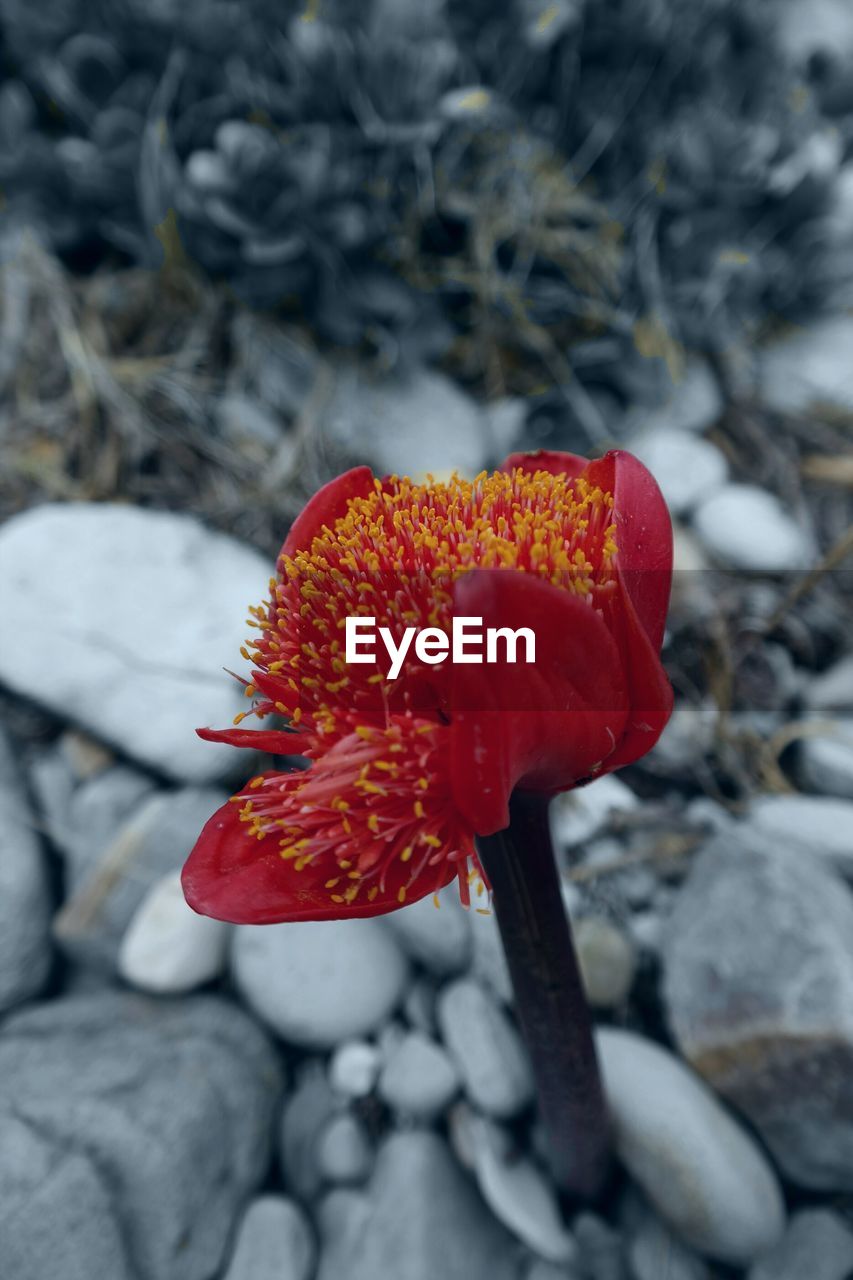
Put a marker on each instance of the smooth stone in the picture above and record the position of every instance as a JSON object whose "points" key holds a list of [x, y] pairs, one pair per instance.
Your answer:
{"points": [[748, 528], [518, 1193], [354, 1068], [344, 1153], [817, 1244], [607, 962], [810, 367], [580, 815], [274, 1242], [694, 402], [825, 763], [539, 1269], [703, 1173], [419, 1219], [408, 425], [419, 1079], [686, 467], [438, 938], [118, 851], [154, 1117], [489, 965], [167, 948], [832, 690], [138, 641], [656, 1254], [816, 825], [25, 898], [600, 1248], [763, 1013], [486, 1048], [318, 983], [308, 1109]]}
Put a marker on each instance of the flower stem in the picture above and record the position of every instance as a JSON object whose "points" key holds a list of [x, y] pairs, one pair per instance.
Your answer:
{"points": [[550, 1001]]}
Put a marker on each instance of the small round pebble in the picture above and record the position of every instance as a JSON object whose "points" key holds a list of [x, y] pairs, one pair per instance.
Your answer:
{"points": [[748, 528], [354, 1068], [167, 948], [686, 467], [419, 1079], [344, 1153], [317, 983], [438, 937], [274, 1242], [486, 1048], [607, 962]]}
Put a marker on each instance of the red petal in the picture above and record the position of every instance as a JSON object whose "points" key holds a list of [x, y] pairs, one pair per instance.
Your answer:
{"points": [[277, 742], [324, 508], [544, 725], [643, 536], [557, 464], [233, 876]]}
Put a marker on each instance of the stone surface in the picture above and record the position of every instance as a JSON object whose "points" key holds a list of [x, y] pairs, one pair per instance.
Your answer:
{"points": [[318, 983], [579, 816], [745, 527], [705, 1176], [307, 1111], [813, 366], [816, 825], [486, 1048], [123, 839], [693, 403], [344, 1153], [131, 1132], [410, 424], [607, 961], [146, 609], [274, 1242], [354, 1068], [419, 1078], [825, 762], [438, 938], [832, 690], [169, 949], [817, 1244], [25, 900], [419, 1219], [656, 1254], [489, 961], [759, 990], [687, 468], [518, 1193]]}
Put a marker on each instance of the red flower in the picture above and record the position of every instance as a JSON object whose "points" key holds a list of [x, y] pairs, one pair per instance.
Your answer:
{"points": [[404, 773]]}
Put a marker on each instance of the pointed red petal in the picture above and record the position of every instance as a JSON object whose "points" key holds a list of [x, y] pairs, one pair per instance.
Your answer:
{"points": [[324, 508], [643, 536], [543, 725], [557, 464], [277, 742]]}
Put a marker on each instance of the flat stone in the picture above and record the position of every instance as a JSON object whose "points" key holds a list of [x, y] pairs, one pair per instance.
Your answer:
{"points": [[825, 763], [344, 1153], [408, 425], [438, 938], [813, 366], [167, 948], [518, 1193], [25, 899], [745, 527], [818, 826], [274, 1242], [580, 815], [124, 839], [419, 1219], [687, 468], [146, 609], [486, 1048], [817, 1244], [702, 1172], [419, 1079], [318, 983], [765, 1013], [131, 1132]]}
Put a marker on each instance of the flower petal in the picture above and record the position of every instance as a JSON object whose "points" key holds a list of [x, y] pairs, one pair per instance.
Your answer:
{"points": [[324, 508], [543, 725], [278, 742], [231, 875], [550, 460], [643, 536]]}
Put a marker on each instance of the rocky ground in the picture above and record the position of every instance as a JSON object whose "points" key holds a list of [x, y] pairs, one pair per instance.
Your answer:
{"points": [[184, 1100]]}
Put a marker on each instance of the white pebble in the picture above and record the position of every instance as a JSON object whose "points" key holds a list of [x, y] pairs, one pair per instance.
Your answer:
{"points": [[169, 949]]}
